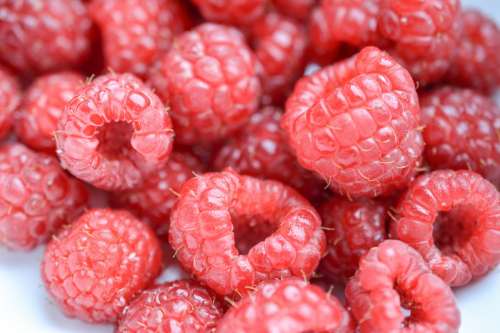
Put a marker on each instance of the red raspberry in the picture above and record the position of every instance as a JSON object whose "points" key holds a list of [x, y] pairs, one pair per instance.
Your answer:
{"points": [[114, 132], [287, 306], [153, 200], [101, 262], [212, 83], [10, 97], [352, 228], [355, 124], [179, 306], [238, 12], [280, 46], [210, 206], [424, 34], [476, 62], [323, 48], [36, 197], [468, 201], [260, 150], [44, 35], [462, 131], [392, 276], [298, 9], [43, 105], [136, 32]]}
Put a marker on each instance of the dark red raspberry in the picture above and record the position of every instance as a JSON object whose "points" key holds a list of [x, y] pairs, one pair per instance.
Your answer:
{"points": [[260, 150], [211, 206], [286, 306], [114, 132], [136, 32], [280, 46], [352, 228], [44, 35], [43, 105], [10, 97], [393, 276], [462, 131], [424, 33], [101, 262], [356, 124], [466, 200], [476, 62], [212, 82], [298, 9], [36, 197], [153, 200], [179, 306], [238, 12], [323, 48]]}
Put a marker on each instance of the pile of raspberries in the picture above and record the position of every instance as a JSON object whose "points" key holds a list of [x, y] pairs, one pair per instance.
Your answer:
{"points": [[272, 149]]}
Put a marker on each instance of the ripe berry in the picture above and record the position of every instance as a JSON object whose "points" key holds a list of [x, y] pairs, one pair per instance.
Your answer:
{"points": [[10, 97], [211, 206], [179, 306], [36, 197], [355, 124], [212, 83], [462, 131], [286, 306], [114, 132], [237, 12], [393, 276], [43, 105], [44, 35], [297, 9], [467, 201], [100, 263]]}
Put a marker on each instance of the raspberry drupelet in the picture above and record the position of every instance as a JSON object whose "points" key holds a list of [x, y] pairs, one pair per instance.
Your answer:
{"points": [[114, 132], [10, 97], [37, 197], [297, 9], [212, 206], [235, 12], [355, 123], [94, 268], [451, 218]]}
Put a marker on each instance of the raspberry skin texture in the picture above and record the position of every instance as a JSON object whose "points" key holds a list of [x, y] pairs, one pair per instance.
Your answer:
{"points": [[212, 83], [297, 9], [42, 106], [323, 48], [352, 228], [286, 306], [393, 275], [462, 131], [355, 123], [473, 205], [114, 132], [37, 197], [211, 206], [10, 98], [178, 306], [136, 32], [153, 200], [235, 12], [101, 262], [58, 29]]}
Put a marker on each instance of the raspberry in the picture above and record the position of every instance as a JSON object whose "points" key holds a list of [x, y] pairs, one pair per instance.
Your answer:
{"points": [[323, 48], [298, 9], [210, 206], [287, 306], [153, 200], [44, 35], [356, 124], [113, 132], [212, 83], [43, 105], [260, 150], [36, 197], [424, 33], [352, 228], [10, 97], [462, 131], [95, 267], [392, 276], [472, 204], [476, 62], [136, 32], [280, 46], [179, 306], [238, 12]]}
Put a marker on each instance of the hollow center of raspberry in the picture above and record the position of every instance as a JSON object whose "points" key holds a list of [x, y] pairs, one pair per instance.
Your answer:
{"points": [[114, 140], [452, 230], [249, 231]]}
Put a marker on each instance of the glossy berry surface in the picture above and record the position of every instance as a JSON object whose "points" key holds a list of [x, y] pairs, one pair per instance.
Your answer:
{"points": [[10, 97], [237, 12], [297, 9]]}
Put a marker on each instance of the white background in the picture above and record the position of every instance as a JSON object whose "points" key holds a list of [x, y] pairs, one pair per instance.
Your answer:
{"points": [[25, 307]]}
